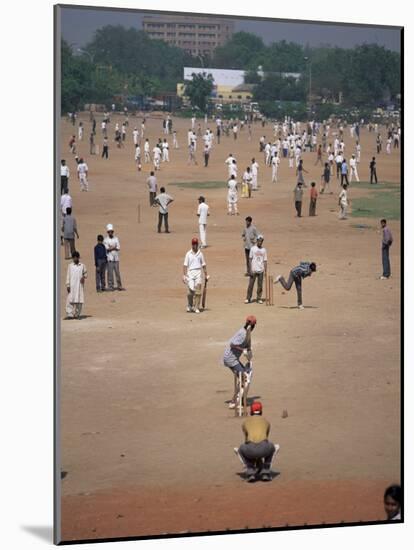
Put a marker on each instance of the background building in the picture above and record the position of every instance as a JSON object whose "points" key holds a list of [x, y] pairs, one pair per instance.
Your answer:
{"points": [[229, 86], [195, 35]]}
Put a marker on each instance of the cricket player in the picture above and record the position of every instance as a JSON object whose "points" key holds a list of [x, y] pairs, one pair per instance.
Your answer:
{"points": [[83, 175], [175, 142], [165, 151], [296, 275], [239, 344], [135, 135], [156, 156], [152, 187], [343, 202], [193, 266], [75, 280], [232, 196], [257, 269], [254, 168], [353, 167], [247, 183], [203, 212], [275, 166], [147, 156], [229, 162], [257, 452], [249, 237]]}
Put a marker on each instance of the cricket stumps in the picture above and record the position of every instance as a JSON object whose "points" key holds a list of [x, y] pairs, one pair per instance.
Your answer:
{"points": [[269, 290]]}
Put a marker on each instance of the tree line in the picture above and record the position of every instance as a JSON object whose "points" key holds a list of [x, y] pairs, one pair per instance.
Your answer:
{"points": [[126, 62]]}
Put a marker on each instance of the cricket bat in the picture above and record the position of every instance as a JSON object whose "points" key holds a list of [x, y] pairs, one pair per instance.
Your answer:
{"points": [[203, 300]]}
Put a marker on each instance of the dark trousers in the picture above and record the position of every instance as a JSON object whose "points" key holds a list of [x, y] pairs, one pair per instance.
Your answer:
{"points": [[247, 255], [288, 285], [206, 157], [165, 218], [312, 207], [298, 206], [100, 274], [251, 453], [386, 266], [152, 197], [338, 169], [253, 277], [373, 176], [344, 177], [64, 188], [105, 152]]}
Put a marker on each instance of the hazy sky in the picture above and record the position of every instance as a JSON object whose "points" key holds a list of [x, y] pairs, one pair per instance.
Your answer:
{"points": [[79, 25]]}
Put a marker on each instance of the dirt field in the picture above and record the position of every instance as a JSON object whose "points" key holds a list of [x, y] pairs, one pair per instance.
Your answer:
{"points": [[146, 435]]}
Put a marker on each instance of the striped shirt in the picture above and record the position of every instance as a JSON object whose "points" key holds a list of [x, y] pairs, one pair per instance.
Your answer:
{"points": [[231, 356]]}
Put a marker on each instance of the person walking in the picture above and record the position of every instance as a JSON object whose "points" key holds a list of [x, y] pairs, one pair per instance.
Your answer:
{"points": [[325, 178], [64, 177], [75, 280], [137, 157], [299, 173], [83, 175], [203, 212], [373, 171], [152, 187], [194, 264], [298, 195], [343, 202], [344, 172], [238, 345], [296, 275], [254, 169], [319, 155], [258, 268], [100, 264], [257, 452], [69, 230], [249, 237], [206, 154], [163, 201], [385, 245], [313, 199], [112, 246]]}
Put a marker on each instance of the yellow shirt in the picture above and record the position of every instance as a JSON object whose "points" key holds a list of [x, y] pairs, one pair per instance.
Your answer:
{"points": [[256, 429]]}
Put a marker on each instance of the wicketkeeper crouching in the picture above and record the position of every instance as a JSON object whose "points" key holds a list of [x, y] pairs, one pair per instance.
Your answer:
{"points": [[257, 452]]}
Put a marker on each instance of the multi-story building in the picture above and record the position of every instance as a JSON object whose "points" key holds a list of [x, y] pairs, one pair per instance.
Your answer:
{"points": [[198, 36]]}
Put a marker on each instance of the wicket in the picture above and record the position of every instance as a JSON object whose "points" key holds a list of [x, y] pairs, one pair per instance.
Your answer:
{"points": [[241, 387], [269, 290]]}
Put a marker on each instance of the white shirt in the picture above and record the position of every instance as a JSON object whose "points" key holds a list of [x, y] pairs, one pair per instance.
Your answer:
{"points": [[163, 199], [257, 257], [146, 146], [152, 184], [194, 260], [343, 197], [65, 202], [82, 168], [339, 159], [157, 152], [202, 211], [275, 162], [229, 161], [247, 177], [135, 135], [254, 168], [232, 186], [112, 255], [64, 170], [137, 153], [352, 162]]}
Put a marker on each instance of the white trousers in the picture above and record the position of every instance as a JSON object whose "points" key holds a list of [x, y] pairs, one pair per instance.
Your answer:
{"points": [[254, 181], [354, 172], [83, 182], [203, 234]]}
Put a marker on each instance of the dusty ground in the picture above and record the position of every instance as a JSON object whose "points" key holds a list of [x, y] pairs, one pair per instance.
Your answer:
{"points": [[146, 436]]}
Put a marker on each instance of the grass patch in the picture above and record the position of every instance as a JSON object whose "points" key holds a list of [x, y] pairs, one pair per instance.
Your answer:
{"points": [[200, 184], [383, 201]]}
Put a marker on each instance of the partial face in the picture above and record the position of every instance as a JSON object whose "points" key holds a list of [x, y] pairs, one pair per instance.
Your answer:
{"points": [[75, 260], [391, 507], [194, 247], [383, 224], [110, 234], [260, 243]]}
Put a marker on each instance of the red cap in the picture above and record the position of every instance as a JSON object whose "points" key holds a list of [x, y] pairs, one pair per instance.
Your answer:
{"points": [[194, 240], [251, 319], [255, 407]]}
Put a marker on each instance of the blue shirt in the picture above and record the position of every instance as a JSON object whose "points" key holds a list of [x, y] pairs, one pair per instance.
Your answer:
{"points": [[344, 168], [100, 253]]}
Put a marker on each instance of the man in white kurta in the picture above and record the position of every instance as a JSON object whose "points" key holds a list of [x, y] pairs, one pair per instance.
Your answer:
{"points": [[275, 166], [353, 167], [75, 280], [254, 170], [194, 264]]}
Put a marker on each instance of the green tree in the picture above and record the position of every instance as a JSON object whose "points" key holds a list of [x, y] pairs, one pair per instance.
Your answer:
{"points": [[199, 89], [241, 51]]}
